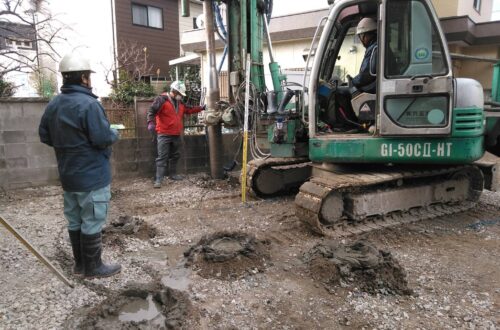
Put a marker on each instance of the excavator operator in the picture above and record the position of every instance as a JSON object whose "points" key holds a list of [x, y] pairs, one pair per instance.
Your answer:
{"points": [[365, 81]]}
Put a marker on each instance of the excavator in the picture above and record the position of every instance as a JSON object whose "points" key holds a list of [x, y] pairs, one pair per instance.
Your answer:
{"points": [[410, 151]]}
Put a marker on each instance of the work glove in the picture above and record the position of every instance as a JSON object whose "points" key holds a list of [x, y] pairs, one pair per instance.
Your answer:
{"points": [[115, 132], [204, 107], [151, 127]]}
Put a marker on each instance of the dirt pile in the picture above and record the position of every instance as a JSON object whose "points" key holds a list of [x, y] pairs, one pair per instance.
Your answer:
{"points": [[137, 307], [359, 263], [228, 255], [129, 226]]}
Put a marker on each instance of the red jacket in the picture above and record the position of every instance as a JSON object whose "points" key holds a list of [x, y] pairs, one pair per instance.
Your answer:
{"points": [[168, 120]]}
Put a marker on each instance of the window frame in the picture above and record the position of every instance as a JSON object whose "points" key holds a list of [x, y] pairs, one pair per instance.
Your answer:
{"points": [[147, 15], [15, 43], [476, 4], [442, 47]]}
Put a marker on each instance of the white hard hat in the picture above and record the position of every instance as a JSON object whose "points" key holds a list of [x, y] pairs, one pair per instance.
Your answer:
{"points": [[367, 24], [74, 62], [179, 86]]}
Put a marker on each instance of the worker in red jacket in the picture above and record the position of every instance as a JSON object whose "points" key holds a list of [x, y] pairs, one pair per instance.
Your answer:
{"points": [[165, 117]]}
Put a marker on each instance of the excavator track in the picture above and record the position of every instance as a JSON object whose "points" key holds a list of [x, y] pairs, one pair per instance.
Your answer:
{"points": [[269, 177], [346, 201]]}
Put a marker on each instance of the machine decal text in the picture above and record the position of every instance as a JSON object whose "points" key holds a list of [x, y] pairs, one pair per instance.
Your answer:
{"points": [[417, 150]]}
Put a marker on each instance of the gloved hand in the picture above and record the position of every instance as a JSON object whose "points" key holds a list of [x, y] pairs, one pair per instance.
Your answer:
{"points": [[151, 127], [204, 107], [349, 81], [115, 132]]}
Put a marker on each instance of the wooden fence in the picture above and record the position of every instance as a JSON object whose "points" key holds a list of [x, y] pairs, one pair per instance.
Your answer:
{"points": [[124, 116]]}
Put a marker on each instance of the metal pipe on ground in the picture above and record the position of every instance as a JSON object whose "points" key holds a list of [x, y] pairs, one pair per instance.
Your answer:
{"points": [[215, 144]]}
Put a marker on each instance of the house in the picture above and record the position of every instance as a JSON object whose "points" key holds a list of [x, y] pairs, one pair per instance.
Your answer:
{"points": [[154, 25], [18, 41], [473, 40], [101, 30]]}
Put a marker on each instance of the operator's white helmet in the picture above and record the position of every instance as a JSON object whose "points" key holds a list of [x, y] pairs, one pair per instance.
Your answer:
{"points": [[74, 62], [179, 86], [367, 24]]}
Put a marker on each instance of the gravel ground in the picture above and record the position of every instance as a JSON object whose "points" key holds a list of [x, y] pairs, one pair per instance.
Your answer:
{"points": [[452, 263]]}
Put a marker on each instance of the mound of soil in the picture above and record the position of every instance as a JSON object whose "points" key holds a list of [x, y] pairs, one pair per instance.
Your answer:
{"points": [[228, 255], [359, 263], [130, 226], [172, 309]]}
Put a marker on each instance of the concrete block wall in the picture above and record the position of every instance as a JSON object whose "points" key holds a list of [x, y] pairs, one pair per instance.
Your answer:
{"points": [[194, 150], [24, 160]]}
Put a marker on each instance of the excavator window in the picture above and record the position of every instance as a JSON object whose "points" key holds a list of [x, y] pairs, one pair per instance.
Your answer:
{"points": [[413, 45], [413, 52]]}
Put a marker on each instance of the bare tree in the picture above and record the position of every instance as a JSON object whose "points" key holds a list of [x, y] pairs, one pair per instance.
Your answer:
{"points": [[131, 64], [27, 21]]}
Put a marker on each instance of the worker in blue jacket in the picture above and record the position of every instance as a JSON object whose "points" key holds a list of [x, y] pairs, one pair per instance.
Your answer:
{"points": [[365, 81], [75, 125]]}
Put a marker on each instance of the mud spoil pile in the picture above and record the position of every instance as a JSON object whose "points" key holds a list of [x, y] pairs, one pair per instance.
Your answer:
{"points": [[228, 255], [359, 264], [138, 307], [127, 226]]}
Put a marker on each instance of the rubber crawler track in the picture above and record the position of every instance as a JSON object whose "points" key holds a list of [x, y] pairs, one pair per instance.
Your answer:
{"points": [[312, 193], [258, 166]]}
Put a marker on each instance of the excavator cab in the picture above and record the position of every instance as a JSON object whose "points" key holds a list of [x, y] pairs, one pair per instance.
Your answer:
{"points": [[417, 113], [405, 152], [415, 88]]}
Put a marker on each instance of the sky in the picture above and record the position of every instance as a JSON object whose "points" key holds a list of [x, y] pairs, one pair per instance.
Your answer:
{"points": [[496, 10]]}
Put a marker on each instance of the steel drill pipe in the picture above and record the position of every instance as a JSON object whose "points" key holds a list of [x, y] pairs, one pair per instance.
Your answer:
{"points": [[215, 143]]}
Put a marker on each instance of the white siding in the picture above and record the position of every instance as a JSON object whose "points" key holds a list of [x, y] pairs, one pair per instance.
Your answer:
{"points": [[186, 23]]}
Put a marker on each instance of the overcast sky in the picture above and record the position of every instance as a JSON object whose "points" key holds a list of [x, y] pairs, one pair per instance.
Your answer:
{"points": [[496, 10]]}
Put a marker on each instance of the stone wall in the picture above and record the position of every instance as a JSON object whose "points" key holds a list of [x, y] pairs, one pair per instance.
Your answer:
{"points": [[25, 161]]}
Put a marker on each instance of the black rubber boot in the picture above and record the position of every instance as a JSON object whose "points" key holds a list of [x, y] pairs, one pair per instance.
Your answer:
{"points": [[173, 172], [74, 237], [92, 263], [160, 173]]}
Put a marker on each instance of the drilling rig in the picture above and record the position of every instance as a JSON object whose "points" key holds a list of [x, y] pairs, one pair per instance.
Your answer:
{"points": [[410, 151]]}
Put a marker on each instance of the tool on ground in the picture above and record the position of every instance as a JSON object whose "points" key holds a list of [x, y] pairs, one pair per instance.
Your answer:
{"points": [[33, 250]]}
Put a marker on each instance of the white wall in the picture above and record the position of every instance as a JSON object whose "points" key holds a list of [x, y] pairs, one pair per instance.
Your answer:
{"points": [[465, 7], [186, 23]]}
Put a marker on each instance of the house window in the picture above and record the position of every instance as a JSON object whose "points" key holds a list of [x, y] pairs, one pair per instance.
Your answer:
{"points": [[147, 16], [477, 5], [18, 43]]}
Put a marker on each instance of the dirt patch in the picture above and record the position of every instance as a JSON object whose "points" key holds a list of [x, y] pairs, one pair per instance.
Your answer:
{"points": [[139, 306], [360, 264], [228, 255], [129, 226]]}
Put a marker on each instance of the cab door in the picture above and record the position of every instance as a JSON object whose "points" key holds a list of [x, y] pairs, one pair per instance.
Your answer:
{"points": [[415, 85]]}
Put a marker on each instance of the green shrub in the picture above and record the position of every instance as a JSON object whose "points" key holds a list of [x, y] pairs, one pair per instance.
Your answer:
{"points": [[127, 89], [7, 89]]}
